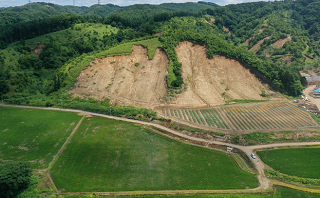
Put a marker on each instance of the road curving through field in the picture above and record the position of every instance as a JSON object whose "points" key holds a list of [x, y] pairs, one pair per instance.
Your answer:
{"points": [[265, 183]]}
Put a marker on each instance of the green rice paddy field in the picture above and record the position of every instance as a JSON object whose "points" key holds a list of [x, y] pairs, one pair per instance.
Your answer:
{"points": [[109, 155], [33, 135], [302, 162]]}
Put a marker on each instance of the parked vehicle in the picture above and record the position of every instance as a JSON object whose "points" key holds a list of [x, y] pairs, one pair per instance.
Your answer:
{"points": [[253, 156]]}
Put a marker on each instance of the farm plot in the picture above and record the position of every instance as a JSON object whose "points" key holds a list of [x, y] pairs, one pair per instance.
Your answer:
{"points": [[302, 162], [250, 117], [33, 135], [109, 155]]}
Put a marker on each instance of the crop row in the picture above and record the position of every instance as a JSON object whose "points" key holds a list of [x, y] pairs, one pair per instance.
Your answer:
{"points": [[279, 115], [267, 116], [208, 117]]}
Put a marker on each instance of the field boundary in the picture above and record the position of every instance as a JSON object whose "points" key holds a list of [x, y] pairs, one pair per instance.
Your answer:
{"points": [[265, 186], [64, 145], [295, 186]]}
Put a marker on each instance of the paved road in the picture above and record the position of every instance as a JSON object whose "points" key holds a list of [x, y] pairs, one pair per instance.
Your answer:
{"points": [[260, 166]]}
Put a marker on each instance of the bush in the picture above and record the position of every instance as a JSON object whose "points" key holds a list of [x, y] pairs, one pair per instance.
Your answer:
{"points": [[14, 178]]}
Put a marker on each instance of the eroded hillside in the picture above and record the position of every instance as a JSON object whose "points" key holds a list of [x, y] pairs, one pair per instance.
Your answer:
{"points": [[125, 80], [136, 80], [212, 81]]}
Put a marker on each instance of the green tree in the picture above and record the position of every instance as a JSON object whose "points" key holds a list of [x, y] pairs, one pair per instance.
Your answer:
{"points": [[14, 178]]}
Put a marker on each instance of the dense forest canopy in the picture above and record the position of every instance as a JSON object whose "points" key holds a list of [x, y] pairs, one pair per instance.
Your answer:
{"points": [[69, 34]]}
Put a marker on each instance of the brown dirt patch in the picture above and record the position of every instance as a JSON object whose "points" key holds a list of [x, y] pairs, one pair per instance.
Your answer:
{"points": [[207, 22], [261, 30], [207, 79], [119, 79], [227, 30], [49, 6], [38, 50], [287, 58], [281, 42], [246, 43], [257, 46], [213, 20]]}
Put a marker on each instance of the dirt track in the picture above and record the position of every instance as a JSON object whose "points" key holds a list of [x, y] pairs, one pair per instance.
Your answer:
{"points": [[263, 180]]}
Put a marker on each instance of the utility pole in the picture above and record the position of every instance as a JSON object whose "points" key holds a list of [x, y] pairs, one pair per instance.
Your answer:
{"points": [[30, 8], [98, 2]]}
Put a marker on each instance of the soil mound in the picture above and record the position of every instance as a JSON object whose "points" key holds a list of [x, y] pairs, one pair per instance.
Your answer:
{"points": [[212, 81], [257, 46], [281, 42], [38, 50], [125, 80]]}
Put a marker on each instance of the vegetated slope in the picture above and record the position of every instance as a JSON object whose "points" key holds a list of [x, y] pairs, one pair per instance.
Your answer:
{"points": [[126, 80], [42, 10], [298, 21], [212, 81]]}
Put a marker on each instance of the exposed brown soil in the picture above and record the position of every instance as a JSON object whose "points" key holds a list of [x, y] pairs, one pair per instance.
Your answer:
{"points": [[261, 30], [38, 50], [257, 46], [227, 30], [119, 79], [281, 42], [208, 22], [246, 43], [211, 81], [287, 58], [213, 20]]}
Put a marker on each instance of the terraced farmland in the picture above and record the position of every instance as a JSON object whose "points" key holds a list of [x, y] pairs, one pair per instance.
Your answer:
{"points": [[250, 117]]}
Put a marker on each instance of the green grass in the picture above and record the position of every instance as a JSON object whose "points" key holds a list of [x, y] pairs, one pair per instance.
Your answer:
{"points": [[126, 48], [33, 135], [304, 162], [239, 101], [74, 34], [109, 155]]}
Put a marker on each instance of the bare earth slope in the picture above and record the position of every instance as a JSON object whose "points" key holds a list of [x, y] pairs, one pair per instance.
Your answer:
{"points": [[125, 80], [211, 81]]}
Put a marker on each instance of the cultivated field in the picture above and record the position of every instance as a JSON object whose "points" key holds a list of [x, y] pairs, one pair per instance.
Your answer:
{"points": [[250, 117], [109, 155], [33, 135], [303, 162]]}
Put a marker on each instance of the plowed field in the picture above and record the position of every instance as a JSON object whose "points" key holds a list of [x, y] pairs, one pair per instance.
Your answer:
{"points": [[250, 117]]}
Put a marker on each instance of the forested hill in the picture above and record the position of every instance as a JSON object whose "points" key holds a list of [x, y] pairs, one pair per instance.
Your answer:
{"points": [[44, 10], [275, 40]]}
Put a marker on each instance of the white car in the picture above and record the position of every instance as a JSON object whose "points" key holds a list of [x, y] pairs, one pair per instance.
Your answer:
{"points": [[253, 156]]}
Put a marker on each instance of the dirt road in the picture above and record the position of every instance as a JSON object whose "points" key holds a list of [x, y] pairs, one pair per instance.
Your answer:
{"points": [[260, 166]]}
